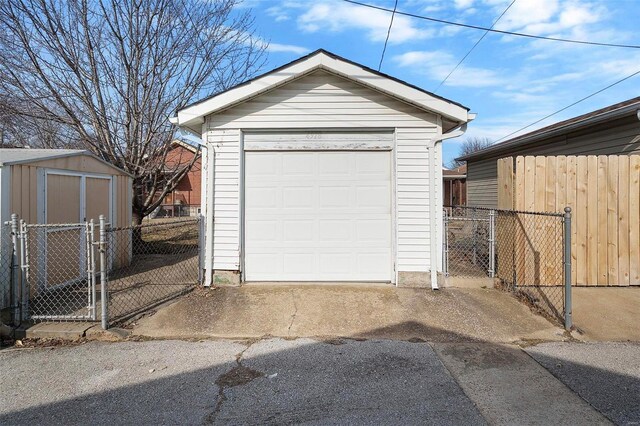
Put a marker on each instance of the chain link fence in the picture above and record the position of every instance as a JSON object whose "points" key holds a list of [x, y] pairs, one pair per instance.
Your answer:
{"points": [[525, 253], [150, 264], [90, 271], [468, 245]]}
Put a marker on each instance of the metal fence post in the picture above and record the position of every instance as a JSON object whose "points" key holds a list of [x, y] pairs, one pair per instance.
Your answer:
{"points": [[15, 295], [492, 243], [24, 268], [92, 267], [445, 244], [567, 268], [103, 273], [200, 248]]}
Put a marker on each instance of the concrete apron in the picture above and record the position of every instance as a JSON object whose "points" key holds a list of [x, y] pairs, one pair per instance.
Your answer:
{"points": [[347, 311]]}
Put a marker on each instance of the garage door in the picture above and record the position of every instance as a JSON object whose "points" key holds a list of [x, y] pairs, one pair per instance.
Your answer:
{"points": [[318, 216]]}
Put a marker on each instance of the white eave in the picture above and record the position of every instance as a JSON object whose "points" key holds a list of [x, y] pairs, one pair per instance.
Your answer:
{"points": [[192, 117]]}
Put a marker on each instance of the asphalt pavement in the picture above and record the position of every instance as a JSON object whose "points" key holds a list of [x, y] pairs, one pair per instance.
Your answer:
{"points": [[282, 381], [606, 375]]}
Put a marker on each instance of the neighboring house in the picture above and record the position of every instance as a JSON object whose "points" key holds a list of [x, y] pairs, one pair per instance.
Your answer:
{"points": [[454, 182], [184, 200], [58, 186], [611, 130], [323, 170]]}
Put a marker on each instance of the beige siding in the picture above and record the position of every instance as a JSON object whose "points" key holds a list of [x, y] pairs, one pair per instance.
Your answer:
{"points": [[321, 100], [325, 101], [617, 137], [24, 191], [79, 163]]}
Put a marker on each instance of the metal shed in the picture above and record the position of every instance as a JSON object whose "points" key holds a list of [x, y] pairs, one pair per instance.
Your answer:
{"points": [[60, 186]]}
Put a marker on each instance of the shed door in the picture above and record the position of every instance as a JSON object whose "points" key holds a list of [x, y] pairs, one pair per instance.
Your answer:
{"points": [[64, 247], [318, 216], [71, 199]]}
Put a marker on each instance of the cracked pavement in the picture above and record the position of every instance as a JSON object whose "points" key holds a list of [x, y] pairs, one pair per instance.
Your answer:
{"points": [[283, 381]]}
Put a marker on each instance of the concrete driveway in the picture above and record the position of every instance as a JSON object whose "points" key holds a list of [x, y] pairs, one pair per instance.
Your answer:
{"points": [[607, 313], [387, 312]]}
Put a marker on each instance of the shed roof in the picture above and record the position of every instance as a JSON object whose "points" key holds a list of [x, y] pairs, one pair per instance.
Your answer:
{"points": [[618, 110], [11, 156], [192, 116]]}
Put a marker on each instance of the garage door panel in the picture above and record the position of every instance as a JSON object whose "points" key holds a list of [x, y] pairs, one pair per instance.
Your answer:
{"points": [[302, 164], [335, 196], [298, 197], [299, 230], [331, 230], [261, 197], [333, 164], [263, 230], [328, 216]]}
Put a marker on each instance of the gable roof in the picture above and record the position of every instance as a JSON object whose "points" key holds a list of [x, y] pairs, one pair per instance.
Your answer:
{"points": [[185, 145], [619, 110], [11, 156], [192, 116]]}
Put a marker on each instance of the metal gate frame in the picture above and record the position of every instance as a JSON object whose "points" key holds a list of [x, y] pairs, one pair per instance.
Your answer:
{"points": [[491, 238], [24, 279]]}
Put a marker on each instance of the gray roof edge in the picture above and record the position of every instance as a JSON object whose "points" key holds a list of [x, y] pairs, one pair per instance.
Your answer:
{"points": [[536, 136]]}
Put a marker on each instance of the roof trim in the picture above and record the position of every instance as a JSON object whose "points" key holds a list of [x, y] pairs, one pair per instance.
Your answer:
{"points": [[193, 115], [185, 145], [63, 155], [611, 112]]}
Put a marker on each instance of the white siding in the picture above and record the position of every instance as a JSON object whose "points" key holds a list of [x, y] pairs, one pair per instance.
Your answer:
{"points": [[412, 186], [321, 100], [324, 101], [226, 210]]}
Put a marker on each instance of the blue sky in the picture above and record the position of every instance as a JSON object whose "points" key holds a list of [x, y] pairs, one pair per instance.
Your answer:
{"points": [[508, 81]]}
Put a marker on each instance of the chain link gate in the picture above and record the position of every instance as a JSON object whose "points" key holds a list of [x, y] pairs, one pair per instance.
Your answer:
{"points": [[525, 253], [469, 246], [52, 272], [89, 272]]}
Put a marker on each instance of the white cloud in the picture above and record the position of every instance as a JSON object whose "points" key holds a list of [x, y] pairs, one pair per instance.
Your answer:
{"points": [[287, 48], [463, 4], [549, 16], [334, 16], [278, 13], [437, 64]]}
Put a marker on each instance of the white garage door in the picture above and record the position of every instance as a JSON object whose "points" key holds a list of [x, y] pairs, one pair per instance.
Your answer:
{"points": [[318, 216]]}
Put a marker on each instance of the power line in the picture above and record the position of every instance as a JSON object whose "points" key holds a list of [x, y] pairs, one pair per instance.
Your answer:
{"points": [[474, 46], [476, 27], [395, 6], [569, 106]]}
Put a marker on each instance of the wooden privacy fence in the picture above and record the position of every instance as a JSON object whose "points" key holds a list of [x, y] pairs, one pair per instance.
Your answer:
{"points": [[604, 195]]}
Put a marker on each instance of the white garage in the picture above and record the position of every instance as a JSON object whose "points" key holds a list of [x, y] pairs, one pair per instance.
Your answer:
{"points": [[323, 170]]}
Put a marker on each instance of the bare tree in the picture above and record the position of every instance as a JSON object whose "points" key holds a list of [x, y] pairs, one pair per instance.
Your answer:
{"points": [[469, 146], [107, 74]]}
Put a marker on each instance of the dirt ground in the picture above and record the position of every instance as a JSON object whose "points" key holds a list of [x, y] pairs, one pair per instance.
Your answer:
{"points": [[255, 311]]}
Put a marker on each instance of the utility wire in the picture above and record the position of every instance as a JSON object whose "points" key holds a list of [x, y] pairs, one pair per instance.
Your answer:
{"points": [[395, 6], [477, 27], [474, 46], [569, 106]]}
